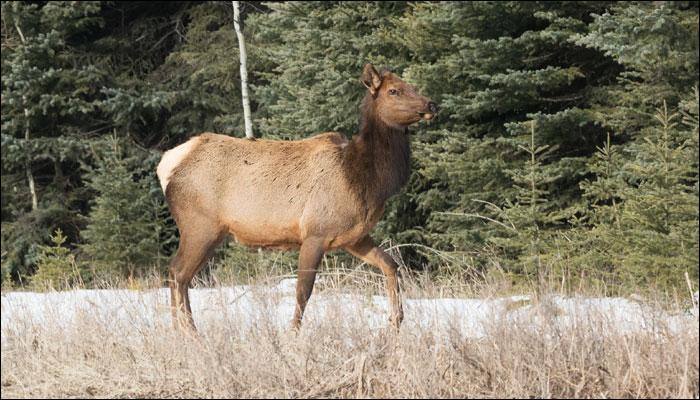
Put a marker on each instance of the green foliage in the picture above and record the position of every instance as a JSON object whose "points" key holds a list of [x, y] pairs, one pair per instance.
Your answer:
{"points": [[22, 238], [605, 189], [658, 46], [205, 84], [317, 51], [238, 263], [56, 266], [48, 95], [490, 78], [642, 227], [126, 230], [528, 215], [660, 215]]}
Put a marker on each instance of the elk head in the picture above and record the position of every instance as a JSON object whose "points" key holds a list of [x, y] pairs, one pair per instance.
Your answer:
{"points": [[396, 103]]}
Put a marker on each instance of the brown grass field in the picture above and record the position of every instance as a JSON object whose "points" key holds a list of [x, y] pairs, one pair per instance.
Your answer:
{"points": [[336, 354]]}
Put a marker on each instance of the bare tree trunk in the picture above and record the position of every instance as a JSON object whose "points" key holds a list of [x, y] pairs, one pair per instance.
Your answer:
{"points": [[28, 166], [27, 163], [244, 72]]}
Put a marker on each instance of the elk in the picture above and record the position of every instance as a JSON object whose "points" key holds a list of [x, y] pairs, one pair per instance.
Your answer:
{"points": [[317, 194]]}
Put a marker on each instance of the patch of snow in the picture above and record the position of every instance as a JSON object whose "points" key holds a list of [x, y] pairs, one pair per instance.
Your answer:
{"points": [[287, 286], [248, 306]]}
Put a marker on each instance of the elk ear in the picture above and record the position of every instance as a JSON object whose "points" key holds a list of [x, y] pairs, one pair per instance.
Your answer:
{"points": [[371, 79]]}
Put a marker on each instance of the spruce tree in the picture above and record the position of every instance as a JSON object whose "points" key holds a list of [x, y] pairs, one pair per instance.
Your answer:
{"points": [[49, 101], [56, 266], [660, 214], [615, 187], [126, 229], [315, 52], [493, 67]]}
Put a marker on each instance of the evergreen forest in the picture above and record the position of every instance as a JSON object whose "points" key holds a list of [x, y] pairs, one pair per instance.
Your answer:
{"points": [[566, 147]]}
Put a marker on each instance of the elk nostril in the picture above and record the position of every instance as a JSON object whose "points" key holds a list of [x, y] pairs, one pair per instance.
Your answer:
{"points": [[432, 107]]}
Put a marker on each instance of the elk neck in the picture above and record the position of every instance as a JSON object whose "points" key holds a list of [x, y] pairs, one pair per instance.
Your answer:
{"points": [[377, 160]]}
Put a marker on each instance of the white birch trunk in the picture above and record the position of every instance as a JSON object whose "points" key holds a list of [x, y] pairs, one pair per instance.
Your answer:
{"points": [[27, 163], [244, 72]]}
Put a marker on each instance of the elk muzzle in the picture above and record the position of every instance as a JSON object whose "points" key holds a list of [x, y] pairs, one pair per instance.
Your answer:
{"points": [[432, 111]]}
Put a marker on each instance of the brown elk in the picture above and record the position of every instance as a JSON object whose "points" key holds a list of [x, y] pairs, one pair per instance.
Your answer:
{"points": [[316, 194]]}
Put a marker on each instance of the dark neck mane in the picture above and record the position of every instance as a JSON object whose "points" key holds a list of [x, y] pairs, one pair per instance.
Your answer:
{"points": [[377, 160]]}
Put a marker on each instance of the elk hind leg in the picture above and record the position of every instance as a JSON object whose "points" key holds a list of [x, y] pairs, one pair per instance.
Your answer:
{"points": [[196, 247], [310, 255], [367, 251]]}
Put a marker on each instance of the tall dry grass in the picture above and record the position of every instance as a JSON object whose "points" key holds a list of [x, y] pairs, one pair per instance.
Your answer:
{"points": [[337, 355]]}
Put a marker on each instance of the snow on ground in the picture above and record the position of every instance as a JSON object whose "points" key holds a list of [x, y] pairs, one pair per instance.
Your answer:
{"points": [[252, 305]]}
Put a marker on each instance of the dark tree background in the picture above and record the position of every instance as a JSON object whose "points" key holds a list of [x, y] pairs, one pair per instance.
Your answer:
{"points": [[567, 144]]}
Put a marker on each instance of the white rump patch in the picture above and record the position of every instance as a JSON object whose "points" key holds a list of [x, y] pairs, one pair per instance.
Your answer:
{"points": [[171, 159]]}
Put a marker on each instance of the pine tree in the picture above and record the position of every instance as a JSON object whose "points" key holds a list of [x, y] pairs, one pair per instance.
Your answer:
{"points": [[642, 228], [71, 73], [56, 266], [316, 51], [641, 220], [660, 214], [203, 76], [493, 67], [126, 229], [528, 215], [49, 100], [593, 243], [46, 93], [615, 188], [657, 44]]}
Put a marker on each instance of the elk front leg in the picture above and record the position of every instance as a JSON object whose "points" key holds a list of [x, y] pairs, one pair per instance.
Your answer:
{"points": [[309, 256], [368, 252]]}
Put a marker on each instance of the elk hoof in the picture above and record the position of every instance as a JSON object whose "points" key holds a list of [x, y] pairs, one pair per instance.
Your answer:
{"points": [[295, 325], [395, 321]]}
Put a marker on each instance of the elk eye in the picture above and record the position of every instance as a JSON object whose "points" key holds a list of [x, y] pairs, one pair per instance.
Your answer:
{"points": [[393, 92]]}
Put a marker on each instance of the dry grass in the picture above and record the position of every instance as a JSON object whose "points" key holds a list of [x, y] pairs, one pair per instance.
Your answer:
{"points": [[337, 355]]}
